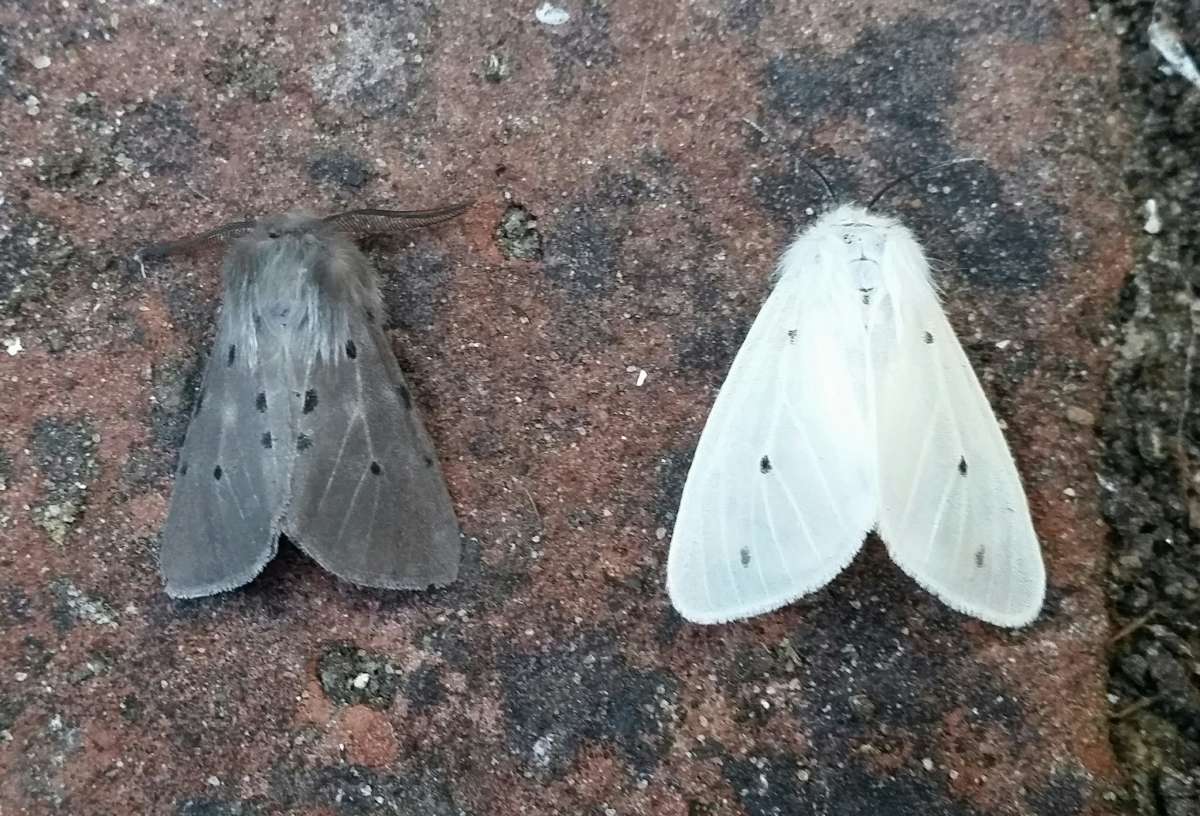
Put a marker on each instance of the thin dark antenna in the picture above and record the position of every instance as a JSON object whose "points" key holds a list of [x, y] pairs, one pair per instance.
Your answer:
{"points": [[820, 175], [767, 137], [910, 176], [220, 235]]}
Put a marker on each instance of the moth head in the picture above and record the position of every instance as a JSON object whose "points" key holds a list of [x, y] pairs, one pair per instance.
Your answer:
{"points": [[862, 242], [299, 231], [860, 233], [290, 230]]}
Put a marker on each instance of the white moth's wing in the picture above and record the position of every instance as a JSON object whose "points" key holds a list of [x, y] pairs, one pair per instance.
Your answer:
{"points": [[232, 476], [781, 490], [368, 501], [953, 513]]}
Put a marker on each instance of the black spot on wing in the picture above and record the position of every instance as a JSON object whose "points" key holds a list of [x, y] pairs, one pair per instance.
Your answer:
{"points": [[744, 554], [199, 401], [310, 401], [232, 355], [260, 402], [217, 473], [791, 335], [375, 468], [979, 558], [764, 464], [428, 461], [928, 338], [183, 468], [402, 390], [351, 349], [303, 442], [962, 465], [267, 442]]}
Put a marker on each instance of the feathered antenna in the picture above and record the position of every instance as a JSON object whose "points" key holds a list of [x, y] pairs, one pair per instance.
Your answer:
{"points": [[373, 222], [220, 235]]}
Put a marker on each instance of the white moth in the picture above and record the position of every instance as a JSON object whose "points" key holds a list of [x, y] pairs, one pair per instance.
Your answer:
{"points": [[851, 407]]}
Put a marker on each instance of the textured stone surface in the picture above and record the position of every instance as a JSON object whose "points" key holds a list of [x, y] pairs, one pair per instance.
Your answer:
{"points": [[1151, 429], [654, 148]]}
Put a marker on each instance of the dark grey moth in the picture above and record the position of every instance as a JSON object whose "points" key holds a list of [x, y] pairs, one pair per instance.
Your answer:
{"points": [[304, 424]]}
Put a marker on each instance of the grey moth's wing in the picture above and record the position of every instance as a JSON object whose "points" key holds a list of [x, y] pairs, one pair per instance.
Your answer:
{"points": [[368, 500], [232, 476]]}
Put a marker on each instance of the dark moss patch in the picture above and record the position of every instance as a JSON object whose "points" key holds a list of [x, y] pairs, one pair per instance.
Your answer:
{"points": [[339, 169], [72, 605], [1063, 795], [424, 689], [6, 470], [907, 73], [33, 254], [65, 454], [779, 786], [583, 249], [160, 136], [217, 807], [354, 790], [97, 663], [913, 695], [132, 708], [10, 709], [875, 696], [351, 676], [517, 234], [746, 16], [583, 48], [15, 607], [711, 348], [582, 254], [413, 283], [452, 644], [174, 383], [191, 308], [35, 655], [87, 107], [561, 697], [71, 170], [670, 474], [239, 67]]}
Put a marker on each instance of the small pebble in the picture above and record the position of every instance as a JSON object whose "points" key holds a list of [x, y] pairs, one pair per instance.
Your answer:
{"points": [[551, 15], [1081, 416], [1153, 225]]}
